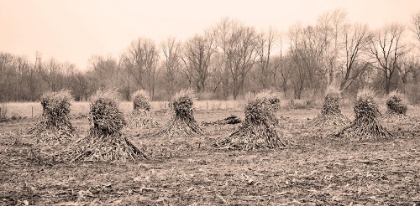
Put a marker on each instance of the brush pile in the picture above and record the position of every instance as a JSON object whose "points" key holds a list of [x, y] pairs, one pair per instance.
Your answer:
{"points": [[366, 124], [232, 119], [140, 116], [258, 129], [396, 104], [54, 126], [331, 112], [182, 122], [105, 141]]}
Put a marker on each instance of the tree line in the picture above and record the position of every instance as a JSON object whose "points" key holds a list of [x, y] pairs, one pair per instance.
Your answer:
{"points": [[231, 58]]}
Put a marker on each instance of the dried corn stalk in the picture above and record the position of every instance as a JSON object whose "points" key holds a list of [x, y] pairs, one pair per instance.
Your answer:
{"points": [[140, 100], [54, 126], [183, 121], [105, 141], [331, 112], [258, 129], [396, 104], [140, 116], [366, 124]]}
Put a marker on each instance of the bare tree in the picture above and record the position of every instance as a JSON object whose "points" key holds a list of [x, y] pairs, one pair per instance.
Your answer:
{"points": [[140, 60], [238, 43], [103, 72], [307, 48], [6, 76], [33, 82], [281, 72], [80, 86], [52, 74], [197, 58], [171, 49], [386, 48], [264, 50], [408, 68], [416, 25], [356, 40], [329, 27]]}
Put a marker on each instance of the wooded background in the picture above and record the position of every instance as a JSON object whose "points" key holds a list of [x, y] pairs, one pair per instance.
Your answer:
{"points": [[231, 58]]}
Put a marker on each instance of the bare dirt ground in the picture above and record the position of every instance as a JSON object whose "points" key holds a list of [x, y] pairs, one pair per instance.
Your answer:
{"points": [[313, 169]]}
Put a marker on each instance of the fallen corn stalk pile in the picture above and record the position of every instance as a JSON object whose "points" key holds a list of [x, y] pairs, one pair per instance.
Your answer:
{"points": [[232, 119]]}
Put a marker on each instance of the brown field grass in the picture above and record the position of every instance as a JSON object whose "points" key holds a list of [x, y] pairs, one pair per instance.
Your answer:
{"points": [[313, 169]]}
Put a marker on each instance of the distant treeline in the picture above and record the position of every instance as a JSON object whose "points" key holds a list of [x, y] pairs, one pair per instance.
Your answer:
{"points": [[231, 58]]}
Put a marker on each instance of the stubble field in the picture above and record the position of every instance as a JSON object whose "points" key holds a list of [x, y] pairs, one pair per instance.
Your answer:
{"points": [[313, 169]]}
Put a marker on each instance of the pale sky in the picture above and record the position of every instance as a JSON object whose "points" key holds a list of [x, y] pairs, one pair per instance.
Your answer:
{"points": [[74, 30]]}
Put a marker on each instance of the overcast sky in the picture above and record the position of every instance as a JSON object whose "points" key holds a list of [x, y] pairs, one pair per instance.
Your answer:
{"points": [[74, 30]]}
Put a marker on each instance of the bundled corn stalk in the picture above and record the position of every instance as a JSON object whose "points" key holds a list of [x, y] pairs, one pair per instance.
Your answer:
{"points": [[366, 124], [105, 141], [258, 129], [232, 119], [396, 103], [331, 112], [140, 116], [54, 126], [182, 122]]}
